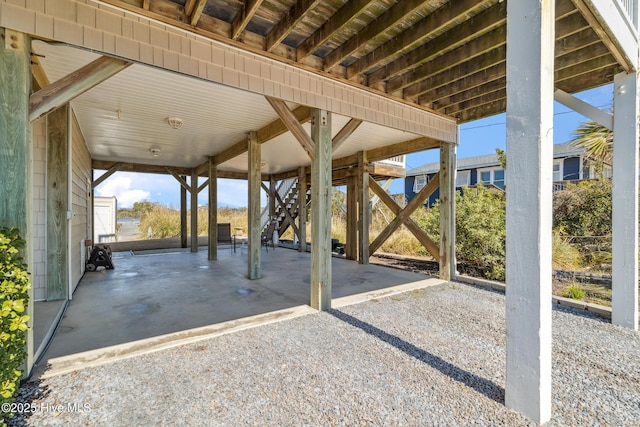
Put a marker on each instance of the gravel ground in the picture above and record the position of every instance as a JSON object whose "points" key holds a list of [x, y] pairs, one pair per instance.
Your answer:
{"points": [[429, 357]]}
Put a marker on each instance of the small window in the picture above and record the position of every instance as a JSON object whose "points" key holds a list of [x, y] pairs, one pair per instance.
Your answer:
{"points": [[463, 178], [557, 171], [419, 183], [485, 177], [492, 176], [498, 178]]}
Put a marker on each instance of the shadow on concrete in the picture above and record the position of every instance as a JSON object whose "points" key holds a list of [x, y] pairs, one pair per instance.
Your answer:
{"points": [[481, 385]]}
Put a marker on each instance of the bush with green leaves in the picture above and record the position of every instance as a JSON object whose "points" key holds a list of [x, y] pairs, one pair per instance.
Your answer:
{"points": [[583, 209], [480, 229], [14, 297]]}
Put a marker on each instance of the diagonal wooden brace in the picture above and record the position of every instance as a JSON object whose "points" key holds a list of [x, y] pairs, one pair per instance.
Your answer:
{"points": [[414, 228], [404, 214], [287, 214]]}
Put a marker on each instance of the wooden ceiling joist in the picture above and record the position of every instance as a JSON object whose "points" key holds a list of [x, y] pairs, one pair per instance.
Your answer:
{"points": [[289, 23], [163, 170], [414, 36], [339, 20], [474, 31], [397, 14], [243, 17], [194, 17], [67, 88]]}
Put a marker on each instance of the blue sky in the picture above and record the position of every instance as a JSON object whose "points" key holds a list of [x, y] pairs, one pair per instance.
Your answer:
{"points": [[476, 138]]}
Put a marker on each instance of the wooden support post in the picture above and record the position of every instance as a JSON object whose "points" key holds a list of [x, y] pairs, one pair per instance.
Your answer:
{"points": [[363, 209], [321, 210], [272, 197], [183, 215], [15, 137], [213, 211], [625, 202], [194, 210], [57, 204], [447, 211], [302, 209], [255, 179], [529, 201], [351, 245], [16, 151]]}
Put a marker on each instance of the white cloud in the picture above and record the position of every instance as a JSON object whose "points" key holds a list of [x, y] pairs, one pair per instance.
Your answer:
{"points": [[120, 186]]}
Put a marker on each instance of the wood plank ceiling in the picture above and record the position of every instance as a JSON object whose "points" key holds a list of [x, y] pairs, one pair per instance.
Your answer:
{"points": [[444, 55]]}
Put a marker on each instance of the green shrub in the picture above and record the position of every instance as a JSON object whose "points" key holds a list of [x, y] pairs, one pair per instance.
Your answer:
{"points": [[14, 298], [565, 255], [583, 209], [480, 229], [574, 292]]}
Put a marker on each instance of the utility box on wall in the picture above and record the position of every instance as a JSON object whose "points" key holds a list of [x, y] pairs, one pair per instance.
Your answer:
{"points": [[104, 226]]}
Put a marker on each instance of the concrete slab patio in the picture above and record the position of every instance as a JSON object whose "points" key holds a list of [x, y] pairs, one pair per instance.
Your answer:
{"points": [[152, 293]]}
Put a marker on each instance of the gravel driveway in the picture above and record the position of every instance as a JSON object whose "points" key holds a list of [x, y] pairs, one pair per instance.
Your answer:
{"points": [[430, 357]]}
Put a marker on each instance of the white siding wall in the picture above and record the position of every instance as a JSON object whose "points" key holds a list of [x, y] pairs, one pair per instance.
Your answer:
{"points": [[39, 224], [80, 202]]}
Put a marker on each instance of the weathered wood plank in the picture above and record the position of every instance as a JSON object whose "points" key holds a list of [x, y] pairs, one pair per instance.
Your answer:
{"points": [[183, 214], [194, 210], [363, 208], [15, 139], [302, 209], [74, 84], [405, 213], [292, 123], [447, 211], [197, 12], [213, 212], [351, 244], [408, 40], [57, 203], [253, 211], [243, 17], [339, 20], [181, 181], [395, 15], [321, 211], [411, 225], [289, 23]]}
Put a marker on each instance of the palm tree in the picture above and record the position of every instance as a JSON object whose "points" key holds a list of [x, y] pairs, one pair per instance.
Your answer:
{"points": [[596, 139]]}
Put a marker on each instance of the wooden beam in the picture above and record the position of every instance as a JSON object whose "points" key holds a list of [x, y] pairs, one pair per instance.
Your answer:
{"points": [[345, 133], [39, 75], [293, 125], [194, 210], [351, 244], [254, 242], [57, 223], [416, 35], [411, 225], [243, 17], [321, 211], [364, 217], [465, 53], [197, 12], [74, 84], [183, 214], [271, 197], [188, 7], [478, 34], [113, 169], [401, 148], [395, 15], [595, 24], [302, 209], [162, 169], [145, 4], [212, 247], [181, 181], [347, 13], [447, 211], [203, 185], [288, 23], [417, 201]]}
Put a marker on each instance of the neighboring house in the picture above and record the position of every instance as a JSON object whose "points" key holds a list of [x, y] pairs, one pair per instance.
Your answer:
{"points": [[569, 164]]}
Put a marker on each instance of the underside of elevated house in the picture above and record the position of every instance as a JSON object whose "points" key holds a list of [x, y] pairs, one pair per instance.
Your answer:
{"points": [[321, 92]]}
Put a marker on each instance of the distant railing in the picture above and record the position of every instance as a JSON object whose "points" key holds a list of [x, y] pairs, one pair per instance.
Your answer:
{"points": [[630, 7], [394, 161]]}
